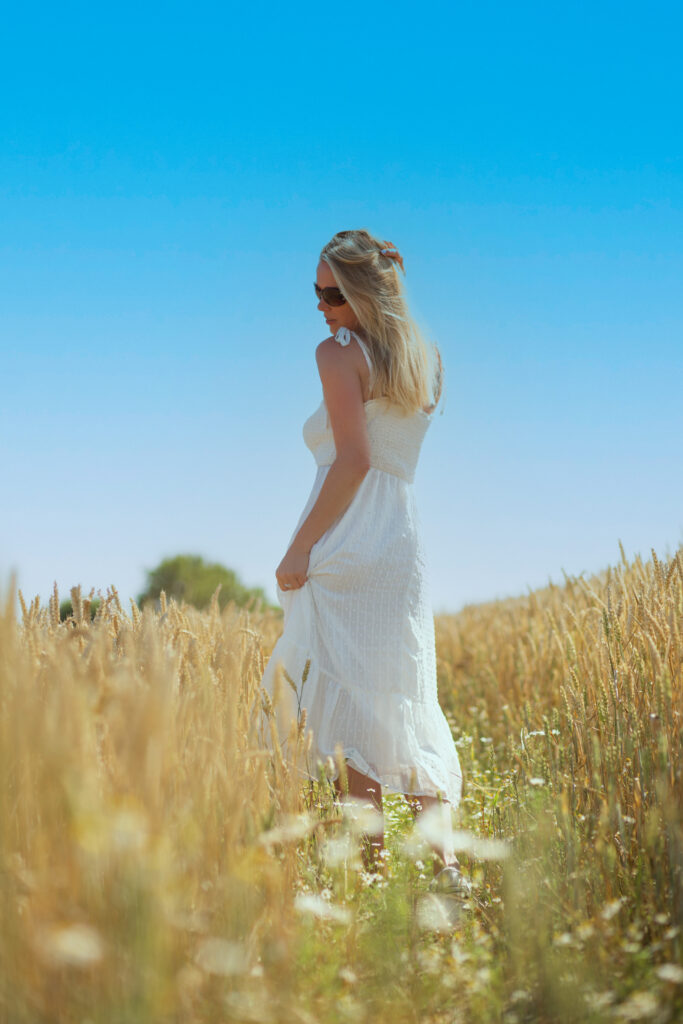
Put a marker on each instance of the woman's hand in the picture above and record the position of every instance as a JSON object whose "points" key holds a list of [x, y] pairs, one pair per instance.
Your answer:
{"points": [[292, 572]]}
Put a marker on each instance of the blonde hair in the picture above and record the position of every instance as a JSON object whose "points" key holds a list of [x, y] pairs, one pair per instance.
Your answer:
{"points": [[408, 369]]}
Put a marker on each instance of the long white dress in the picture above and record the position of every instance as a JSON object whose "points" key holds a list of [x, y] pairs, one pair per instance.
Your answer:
{"points": [[362, 624]]}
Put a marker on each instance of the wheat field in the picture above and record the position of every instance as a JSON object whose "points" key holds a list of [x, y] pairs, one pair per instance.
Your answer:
{"points": [[161, 862]]}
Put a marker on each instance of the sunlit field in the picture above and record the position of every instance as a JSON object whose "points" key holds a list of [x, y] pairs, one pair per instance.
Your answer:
{"points": [[161, 861]]}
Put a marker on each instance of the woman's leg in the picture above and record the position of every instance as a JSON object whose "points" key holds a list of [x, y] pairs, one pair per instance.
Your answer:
{"points": [[445, 855], [364, 788]]}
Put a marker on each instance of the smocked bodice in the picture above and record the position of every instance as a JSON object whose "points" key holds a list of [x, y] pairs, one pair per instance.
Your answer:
{"points": [[395, 438]]}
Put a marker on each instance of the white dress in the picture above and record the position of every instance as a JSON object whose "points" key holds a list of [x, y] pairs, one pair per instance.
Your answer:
{"points": [[363, 622]]}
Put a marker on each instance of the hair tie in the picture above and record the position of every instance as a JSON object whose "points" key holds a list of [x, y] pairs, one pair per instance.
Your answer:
{"points": [[392, 252]]}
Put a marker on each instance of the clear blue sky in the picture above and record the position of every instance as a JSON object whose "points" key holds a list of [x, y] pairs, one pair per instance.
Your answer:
{"points": [[168, 176]]}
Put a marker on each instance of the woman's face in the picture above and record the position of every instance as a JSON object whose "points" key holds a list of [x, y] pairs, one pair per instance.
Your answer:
{"points": [[336, 316]]}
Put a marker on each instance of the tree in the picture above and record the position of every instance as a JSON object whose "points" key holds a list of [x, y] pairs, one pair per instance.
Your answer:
{"points": [[66, 608], [188, 578]]}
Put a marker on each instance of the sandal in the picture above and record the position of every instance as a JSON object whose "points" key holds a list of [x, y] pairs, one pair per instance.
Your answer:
{"points": [[451, 882]]}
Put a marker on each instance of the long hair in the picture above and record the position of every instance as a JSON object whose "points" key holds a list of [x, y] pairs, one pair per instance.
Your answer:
{"points": [[408, 369]]}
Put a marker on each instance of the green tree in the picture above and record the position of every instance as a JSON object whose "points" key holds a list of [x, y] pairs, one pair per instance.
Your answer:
{"points": [[189, 578], [66, 608]]}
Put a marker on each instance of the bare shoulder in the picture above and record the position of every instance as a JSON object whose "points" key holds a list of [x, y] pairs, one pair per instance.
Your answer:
{"points": [[331, 356], [327, 350], [344, 365]]}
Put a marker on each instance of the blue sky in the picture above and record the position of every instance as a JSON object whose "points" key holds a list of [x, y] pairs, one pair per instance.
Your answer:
{"points": [[168, 176]]}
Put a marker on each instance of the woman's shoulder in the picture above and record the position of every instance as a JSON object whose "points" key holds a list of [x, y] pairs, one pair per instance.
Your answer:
{"points": [[329, 354], [335, 350], [326, 345], [343, 361]]}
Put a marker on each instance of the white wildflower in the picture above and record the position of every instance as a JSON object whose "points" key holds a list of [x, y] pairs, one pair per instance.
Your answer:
{"points": [[294, 826], [433, 828], [638, 1006], [337, 850], [129, 829], [438, 913], [611, 908], [75, 945], [362, 816], [310, 903], [670, 972], [221, 956]]}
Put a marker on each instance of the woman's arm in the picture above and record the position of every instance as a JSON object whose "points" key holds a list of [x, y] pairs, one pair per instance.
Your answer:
{"points": [[342, 389]]}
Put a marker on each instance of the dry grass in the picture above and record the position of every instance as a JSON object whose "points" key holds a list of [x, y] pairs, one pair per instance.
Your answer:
{"points": [[160, 864]]}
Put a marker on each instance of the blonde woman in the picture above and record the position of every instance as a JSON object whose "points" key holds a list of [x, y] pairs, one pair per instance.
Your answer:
{"points": [[358, 638]]}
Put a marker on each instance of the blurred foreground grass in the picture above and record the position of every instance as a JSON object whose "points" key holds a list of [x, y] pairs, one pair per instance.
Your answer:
{"points": [[159, 864]]}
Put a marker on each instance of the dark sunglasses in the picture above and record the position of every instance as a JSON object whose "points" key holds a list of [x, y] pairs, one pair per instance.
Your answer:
{"points": [[332, 296]]}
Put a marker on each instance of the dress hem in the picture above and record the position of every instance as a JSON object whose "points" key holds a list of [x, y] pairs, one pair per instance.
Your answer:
{"points": [[286, 712], [395, 791]]}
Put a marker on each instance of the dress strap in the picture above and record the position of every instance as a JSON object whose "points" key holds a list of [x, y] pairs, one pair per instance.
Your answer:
{"points": [[343, 336]]}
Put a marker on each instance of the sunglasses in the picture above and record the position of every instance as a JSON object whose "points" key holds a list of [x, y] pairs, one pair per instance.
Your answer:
{"points": [[332, 296]]}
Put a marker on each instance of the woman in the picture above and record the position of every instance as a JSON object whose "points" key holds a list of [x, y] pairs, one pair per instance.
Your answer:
{"points": [[358, 638]]}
